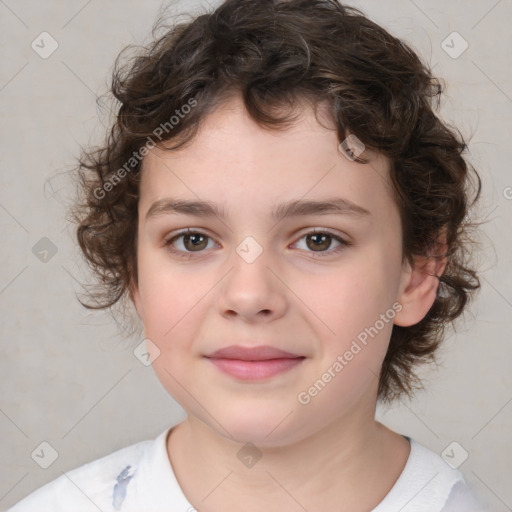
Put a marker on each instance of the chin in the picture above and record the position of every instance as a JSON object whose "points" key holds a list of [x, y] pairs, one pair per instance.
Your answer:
{"points": [[263, 427]]}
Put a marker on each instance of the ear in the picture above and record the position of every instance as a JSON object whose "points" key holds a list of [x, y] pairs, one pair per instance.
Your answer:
{"points": [[418, 288], [135, 298]]}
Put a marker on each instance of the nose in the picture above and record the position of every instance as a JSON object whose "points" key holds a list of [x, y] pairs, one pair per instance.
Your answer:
{"points": [[252, 290]]}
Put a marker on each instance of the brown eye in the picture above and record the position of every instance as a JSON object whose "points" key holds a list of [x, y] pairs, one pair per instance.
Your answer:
{"points": [[194, 242], [185, 243], [319, 241]]}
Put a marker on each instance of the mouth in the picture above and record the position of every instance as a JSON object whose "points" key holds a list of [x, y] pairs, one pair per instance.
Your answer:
{"points": [[254, 363]]}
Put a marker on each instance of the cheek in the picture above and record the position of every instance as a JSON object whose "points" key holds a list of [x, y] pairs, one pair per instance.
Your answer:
{"points": [[359, 315], [359, 306], [172, 313], [171, 307], [357, 294], [168, 298]]}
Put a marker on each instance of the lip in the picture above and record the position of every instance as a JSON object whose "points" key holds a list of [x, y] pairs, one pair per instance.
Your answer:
{"points": [[259, 353], [254, 363]]}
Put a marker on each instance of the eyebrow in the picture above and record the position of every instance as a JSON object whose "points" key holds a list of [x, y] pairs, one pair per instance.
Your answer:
{"points": [[294, 208]]}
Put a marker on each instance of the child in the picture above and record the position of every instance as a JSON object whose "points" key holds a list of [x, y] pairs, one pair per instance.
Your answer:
{"points": [[288, 216]]}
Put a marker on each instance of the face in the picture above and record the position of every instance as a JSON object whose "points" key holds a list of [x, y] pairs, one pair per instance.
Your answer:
{"points": [[314, 282]]}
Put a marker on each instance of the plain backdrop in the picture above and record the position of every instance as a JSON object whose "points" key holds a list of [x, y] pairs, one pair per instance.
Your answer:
{"points": [[69, 377]]}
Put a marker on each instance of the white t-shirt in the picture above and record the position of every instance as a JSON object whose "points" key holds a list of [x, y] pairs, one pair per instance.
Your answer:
{"points": [[140, 478]]}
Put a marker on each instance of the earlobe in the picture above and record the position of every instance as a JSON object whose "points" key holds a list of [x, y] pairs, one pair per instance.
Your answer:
{"points": [[418, 289]]}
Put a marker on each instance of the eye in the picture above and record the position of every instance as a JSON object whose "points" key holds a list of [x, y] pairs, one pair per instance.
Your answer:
{"points": [[193, 241], [189, 241], [318, 241]]}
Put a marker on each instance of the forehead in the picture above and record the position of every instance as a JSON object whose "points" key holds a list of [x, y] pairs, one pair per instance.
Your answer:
{"points": [[234, 161]]}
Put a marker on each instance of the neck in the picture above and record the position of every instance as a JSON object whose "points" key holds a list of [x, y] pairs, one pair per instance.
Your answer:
{"points": [[351, 464]]}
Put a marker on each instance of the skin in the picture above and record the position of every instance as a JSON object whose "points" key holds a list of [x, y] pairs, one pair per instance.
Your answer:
{"points": [[330, 454]]}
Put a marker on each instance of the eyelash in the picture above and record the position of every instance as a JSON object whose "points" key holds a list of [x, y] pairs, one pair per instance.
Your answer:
{"points": [[320, 254]]}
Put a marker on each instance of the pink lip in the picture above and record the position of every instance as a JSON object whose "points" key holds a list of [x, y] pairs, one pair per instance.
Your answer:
{"points": [[254, 363]]}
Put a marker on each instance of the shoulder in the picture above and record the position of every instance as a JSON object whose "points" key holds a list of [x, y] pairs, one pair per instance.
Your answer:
{"points": [[463, 499], [89, 487], [428, 484]]}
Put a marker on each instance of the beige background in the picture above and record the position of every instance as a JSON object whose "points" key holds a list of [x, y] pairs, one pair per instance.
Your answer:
{"points": [[70, 379]]}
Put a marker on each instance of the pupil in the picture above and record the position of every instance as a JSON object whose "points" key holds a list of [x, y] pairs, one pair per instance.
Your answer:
{"points": [[319, 239], [195, 239]]}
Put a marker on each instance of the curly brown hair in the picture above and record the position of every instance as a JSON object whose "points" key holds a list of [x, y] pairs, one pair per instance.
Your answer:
{"points": [[273, 53]]}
